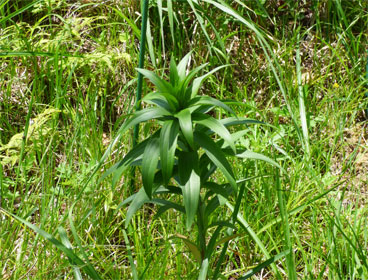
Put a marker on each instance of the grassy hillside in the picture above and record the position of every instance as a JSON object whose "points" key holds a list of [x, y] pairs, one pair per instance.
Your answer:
{"points": [[68, 81]]}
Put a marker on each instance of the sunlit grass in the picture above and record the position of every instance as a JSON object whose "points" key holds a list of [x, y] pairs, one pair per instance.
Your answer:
{"points": [[80, 58]]}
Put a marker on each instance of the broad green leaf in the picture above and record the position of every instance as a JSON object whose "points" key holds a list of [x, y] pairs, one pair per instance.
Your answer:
{"points": [[215, 126], [206, 100], [190, 183], [203, 270], [168, 139], [187, 161], [161, 84], [252, 155], [216, 156], [185, 121], [171, 100], [182, 66], [139, 199], [191, 192], [149, 164], [207, 167], [198, 81], [73, 258], [191, 246]]}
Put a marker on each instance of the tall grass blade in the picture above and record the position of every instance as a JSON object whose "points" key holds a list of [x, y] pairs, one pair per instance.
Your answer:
{"points": [[301, 97]]}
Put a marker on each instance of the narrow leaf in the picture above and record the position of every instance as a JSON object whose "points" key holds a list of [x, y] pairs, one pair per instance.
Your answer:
{"points": [[191, 246], [215, 126], [190, 183], [185, 121], [182, 66], [168, 140], [149, 165], [252, 155], [198, 81], [206, 100], [216, 156], [261, 266], [75, 260], [140, 198], [161, 84]]}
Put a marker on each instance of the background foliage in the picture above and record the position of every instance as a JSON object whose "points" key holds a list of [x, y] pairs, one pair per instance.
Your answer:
{"points": [[67, 80]]}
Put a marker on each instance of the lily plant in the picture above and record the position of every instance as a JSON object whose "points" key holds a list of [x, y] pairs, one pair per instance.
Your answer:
{"points": [[181, 157]]}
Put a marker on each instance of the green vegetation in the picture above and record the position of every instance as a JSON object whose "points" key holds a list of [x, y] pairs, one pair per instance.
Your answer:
{"points": [[293, 207]]}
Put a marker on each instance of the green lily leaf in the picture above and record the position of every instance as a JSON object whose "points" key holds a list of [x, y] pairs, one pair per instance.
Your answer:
{"points": [[118, 168], [168, 139], [223, 190], [198, 81], [169, 204], [182, 66], [161, 84], [190, 183], [162, 99], [206, 100], [139, 199], [174, 75], [185, 121], [215, 126], [216, 156], [149, 165], [191, 246]]}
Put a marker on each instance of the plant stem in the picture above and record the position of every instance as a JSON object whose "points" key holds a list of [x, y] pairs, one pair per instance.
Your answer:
{"points": [[141, 65], [201, 230]]}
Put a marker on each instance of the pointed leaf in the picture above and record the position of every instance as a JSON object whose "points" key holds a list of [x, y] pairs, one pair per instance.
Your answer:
{"points": [[215, 126], [266, 263], [191, 192], [135, 154], [168, 139], [149, 165], [216, 156], [139, 199], [190, 183], [161, 84], [182, 66], [191, 246], [252, 155], [174, 75], [206, 100], [198, 81], [238, 121], [185, 121], [138, 117]]}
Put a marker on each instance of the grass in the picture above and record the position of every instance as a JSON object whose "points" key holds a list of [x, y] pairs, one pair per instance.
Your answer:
{"points": [[80, 58]]}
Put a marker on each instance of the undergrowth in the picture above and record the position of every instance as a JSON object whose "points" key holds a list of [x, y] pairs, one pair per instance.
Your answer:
{"points": [[67, 83]]}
